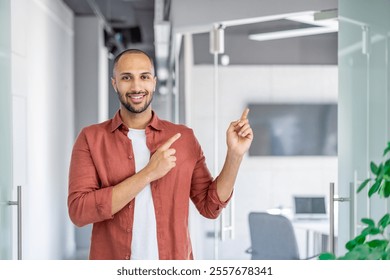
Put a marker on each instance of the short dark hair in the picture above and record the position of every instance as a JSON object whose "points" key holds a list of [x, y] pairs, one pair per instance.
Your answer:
{"points": [[130, 51]]}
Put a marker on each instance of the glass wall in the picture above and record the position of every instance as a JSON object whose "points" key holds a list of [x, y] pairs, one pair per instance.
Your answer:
{"points": [[363, 103], [5, 132]]}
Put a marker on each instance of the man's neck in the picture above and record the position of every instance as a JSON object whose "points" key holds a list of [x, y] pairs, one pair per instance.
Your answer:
{"points": [[136, 120]]}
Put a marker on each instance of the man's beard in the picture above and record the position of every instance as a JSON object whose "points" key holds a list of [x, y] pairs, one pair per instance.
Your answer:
{"points": [[130, 108]]}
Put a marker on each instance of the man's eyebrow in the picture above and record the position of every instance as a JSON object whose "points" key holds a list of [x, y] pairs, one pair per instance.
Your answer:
{"points": [[146, 73], [125, 73], [129, 73]]}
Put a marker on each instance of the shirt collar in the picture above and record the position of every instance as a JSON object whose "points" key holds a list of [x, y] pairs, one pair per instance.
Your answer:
{"points": [[117, 122]]}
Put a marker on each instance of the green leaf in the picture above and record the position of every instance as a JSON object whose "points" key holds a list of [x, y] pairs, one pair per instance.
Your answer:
{"points": [[350, 245], [384, 221], [374, 188], [386, 164], [360, 239], [326, 256], [363, 184], [386, 177], [376, 243], [350, 256], [386, 189], [386, 167], [387, 149], [359, 252], [386, 254], [380, 170], [381, 190], [368, 221], [365, 231], [374, 254], [374, 168], [374, 230]]}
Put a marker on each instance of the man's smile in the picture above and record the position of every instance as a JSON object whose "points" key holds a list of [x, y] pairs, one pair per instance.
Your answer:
{"points": [[136, 97]]}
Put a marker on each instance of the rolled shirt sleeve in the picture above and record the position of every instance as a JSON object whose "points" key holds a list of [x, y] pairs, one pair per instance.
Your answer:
{"points": [[204, 189], [88, 202]]}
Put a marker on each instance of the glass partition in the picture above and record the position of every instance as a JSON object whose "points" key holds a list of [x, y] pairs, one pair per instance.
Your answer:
{"points": [[5, 133], [363, 104]]}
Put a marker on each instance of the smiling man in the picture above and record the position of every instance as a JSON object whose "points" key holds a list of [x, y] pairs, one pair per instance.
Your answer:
{"points": [[134, 175]]}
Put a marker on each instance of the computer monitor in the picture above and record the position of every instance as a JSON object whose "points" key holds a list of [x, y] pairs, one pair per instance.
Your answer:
{"points": [[309, 207]]}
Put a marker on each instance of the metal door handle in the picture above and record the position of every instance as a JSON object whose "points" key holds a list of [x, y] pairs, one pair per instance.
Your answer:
{"points": [[230, 227], [334, 199], [18, 203]]}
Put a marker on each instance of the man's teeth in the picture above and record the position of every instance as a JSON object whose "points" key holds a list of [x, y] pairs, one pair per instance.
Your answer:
{"points": [[137, 97]]}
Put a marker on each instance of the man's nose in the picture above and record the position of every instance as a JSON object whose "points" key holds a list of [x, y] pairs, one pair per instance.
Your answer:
{"points": [[136, 85]]}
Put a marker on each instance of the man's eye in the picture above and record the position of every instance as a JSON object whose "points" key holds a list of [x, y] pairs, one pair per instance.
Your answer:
{"points": [[125, 78], [144, 77]]}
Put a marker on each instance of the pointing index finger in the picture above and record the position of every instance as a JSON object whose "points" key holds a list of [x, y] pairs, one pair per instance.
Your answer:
{"points": [[244, 115], [170, 141]]}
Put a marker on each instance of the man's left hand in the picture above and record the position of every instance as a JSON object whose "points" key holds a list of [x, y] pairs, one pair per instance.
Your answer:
{"points": [[239, 135]]}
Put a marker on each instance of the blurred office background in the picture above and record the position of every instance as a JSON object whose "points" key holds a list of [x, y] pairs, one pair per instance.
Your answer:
{"points": [[213, 59]]}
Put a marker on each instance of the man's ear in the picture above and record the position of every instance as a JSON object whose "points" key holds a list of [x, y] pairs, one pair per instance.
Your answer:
{"points": [[113, 83]]}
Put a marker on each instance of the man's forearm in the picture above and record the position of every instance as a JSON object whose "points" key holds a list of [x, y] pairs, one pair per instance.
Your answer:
{"points": [[161, 162], [228, 175], [126, 190]]}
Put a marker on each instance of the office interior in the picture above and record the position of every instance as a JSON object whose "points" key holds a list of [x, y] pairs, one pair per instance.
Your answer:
{"points": [[212, 60]]}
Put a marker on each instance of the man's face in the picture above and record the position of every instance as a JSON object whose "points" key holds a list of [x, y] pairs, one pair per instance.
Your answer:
{"points": [[134, 81]]}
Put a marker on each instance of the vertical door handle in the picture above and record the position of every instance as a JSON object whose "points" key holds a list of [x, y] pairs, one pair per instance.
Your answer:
{"points": [[18, 203], [228, 227], [334, 199]]}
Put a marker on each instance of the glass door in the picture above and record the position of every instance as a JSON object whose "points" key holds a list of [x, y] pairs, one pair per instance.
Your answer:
{"points": [[363, 106], [5, 133]]}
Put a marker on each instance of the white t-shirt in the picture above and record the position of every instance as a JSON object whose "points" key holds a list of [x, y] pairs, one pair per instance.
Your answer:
{"points": [[144, 242]]}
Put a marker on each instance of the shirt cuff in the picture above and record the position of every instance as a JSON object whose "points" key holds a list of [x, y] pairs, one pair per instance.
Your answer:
{"points": [[215, 198]]}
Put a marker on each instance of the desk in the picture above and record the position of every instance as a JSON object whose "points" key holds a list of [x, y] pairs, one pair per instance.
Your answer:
{"points": [[318, 232]]}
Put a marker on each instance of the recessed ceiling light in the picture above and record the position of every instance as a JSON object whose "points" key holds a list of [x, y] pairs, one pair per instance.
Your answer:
{"points": [[291, 33]]}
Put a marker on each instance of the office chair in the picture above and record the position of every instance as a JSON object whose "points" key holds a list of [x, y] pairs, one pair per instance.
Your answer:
{"points": [[272, 237]]}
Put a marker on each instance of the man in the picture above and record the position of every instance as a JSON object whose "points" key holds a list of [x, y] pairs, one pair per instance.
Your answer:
{"points": [[132, 176]]}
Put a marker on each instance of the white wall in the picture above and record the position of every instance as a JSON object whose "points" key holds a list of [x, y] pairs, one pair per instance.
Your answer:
{"points": [[263, 182], [42, 89]]}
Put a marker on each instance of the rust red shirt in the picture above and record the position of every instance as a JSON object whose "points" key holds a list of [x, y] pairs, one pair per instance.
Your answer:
{"points": [[103, 157]]}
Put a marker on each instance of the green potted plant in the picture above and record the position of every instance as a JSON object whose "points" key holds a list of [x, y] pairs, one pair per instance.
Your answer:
{"points": [[373, 242]]}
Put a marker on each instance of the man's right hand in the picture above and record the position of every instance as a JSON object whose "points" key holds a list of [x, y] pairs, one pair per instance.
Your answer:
{"points": [[162, 161]]}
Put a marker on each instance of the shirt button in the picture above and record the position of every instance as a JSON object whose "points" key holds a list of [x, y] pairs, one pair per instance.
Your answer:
{"points": [[127, 257], [130, 157], [128, 230]]}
